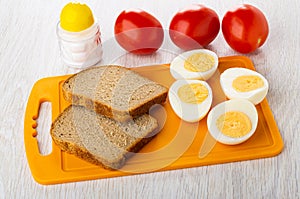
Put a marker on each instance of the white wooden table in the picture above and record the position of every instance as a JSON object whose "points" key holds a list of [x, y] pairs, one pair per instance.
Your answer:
{"points": [[29, 51]]}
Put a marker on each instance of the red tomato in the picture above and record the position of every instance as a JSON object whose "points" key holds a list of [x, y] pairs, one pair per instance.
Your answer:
{"points": [[138, 32], [245, 28], [194, 27]]}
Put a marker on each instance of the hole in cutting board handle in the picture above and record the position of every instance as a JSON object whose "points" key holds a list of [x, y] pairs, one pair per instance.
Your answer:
{"points": [[44, 121]]}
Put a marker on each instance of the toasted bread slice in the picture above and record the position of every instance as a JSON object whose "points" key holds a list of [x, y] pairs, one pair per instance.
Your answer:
{"points": [[113, 91], [101, 140]]}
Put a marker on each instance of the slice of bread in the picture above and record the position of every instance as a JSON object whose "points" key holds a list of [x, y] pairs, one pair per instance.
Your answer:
{"points": [[113, 91], [101, 140]]}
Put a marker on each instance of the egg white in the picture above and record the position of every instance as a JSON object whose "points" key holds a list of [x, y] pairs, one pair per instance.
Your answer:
{"points": [[179, 72], [255, 96], [240, 105], [189, 112]]}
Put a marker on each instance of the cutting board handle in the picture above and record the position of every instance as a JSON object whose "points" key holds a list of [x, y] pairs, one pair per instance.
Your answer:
{"points": [[44, 90]]}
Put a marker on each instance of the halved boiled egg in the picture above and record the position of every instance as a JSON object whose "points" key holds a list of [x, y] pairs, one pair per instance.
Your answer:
{"points": [[233, 121], [244, 83], [195, 64], [190, 99]]}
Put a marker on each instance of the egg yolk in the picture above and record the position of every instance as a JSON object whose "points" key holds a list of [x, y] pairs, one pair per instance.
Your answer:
{"points": [[234, 124], [247, 83], [199, 62], [193, 93], [76, 17]]}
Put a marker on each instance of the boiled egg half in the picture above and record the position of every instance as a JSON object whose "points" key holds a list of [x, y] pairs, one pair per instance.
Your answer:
{"points": [[190, 99], [244, 83], [195, 64], [233, 121]]}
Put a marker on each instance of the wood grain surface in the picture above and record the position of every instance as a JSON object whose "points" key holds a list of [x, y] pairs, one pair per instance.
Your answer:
{"points": [[29, 51]]}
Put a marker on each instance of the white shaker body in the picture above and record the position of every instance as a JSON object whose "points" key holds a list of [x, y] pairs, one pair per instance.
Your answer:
{"points": [[80, 49]]}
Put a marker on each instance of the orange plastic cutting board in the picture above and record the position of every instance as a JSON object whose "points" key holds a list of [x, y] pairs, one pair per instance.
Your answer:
{"points": [[176, 146]]}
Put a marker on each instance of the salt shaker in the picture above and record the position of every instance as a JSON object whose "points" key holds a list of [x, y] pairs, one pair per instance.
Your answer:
{"points": [[79, 36]]}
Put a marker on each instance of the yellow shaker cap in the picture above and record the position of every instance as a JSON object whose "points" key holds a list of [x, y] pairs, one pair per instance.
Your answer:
{"points": [[76, 17]]}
